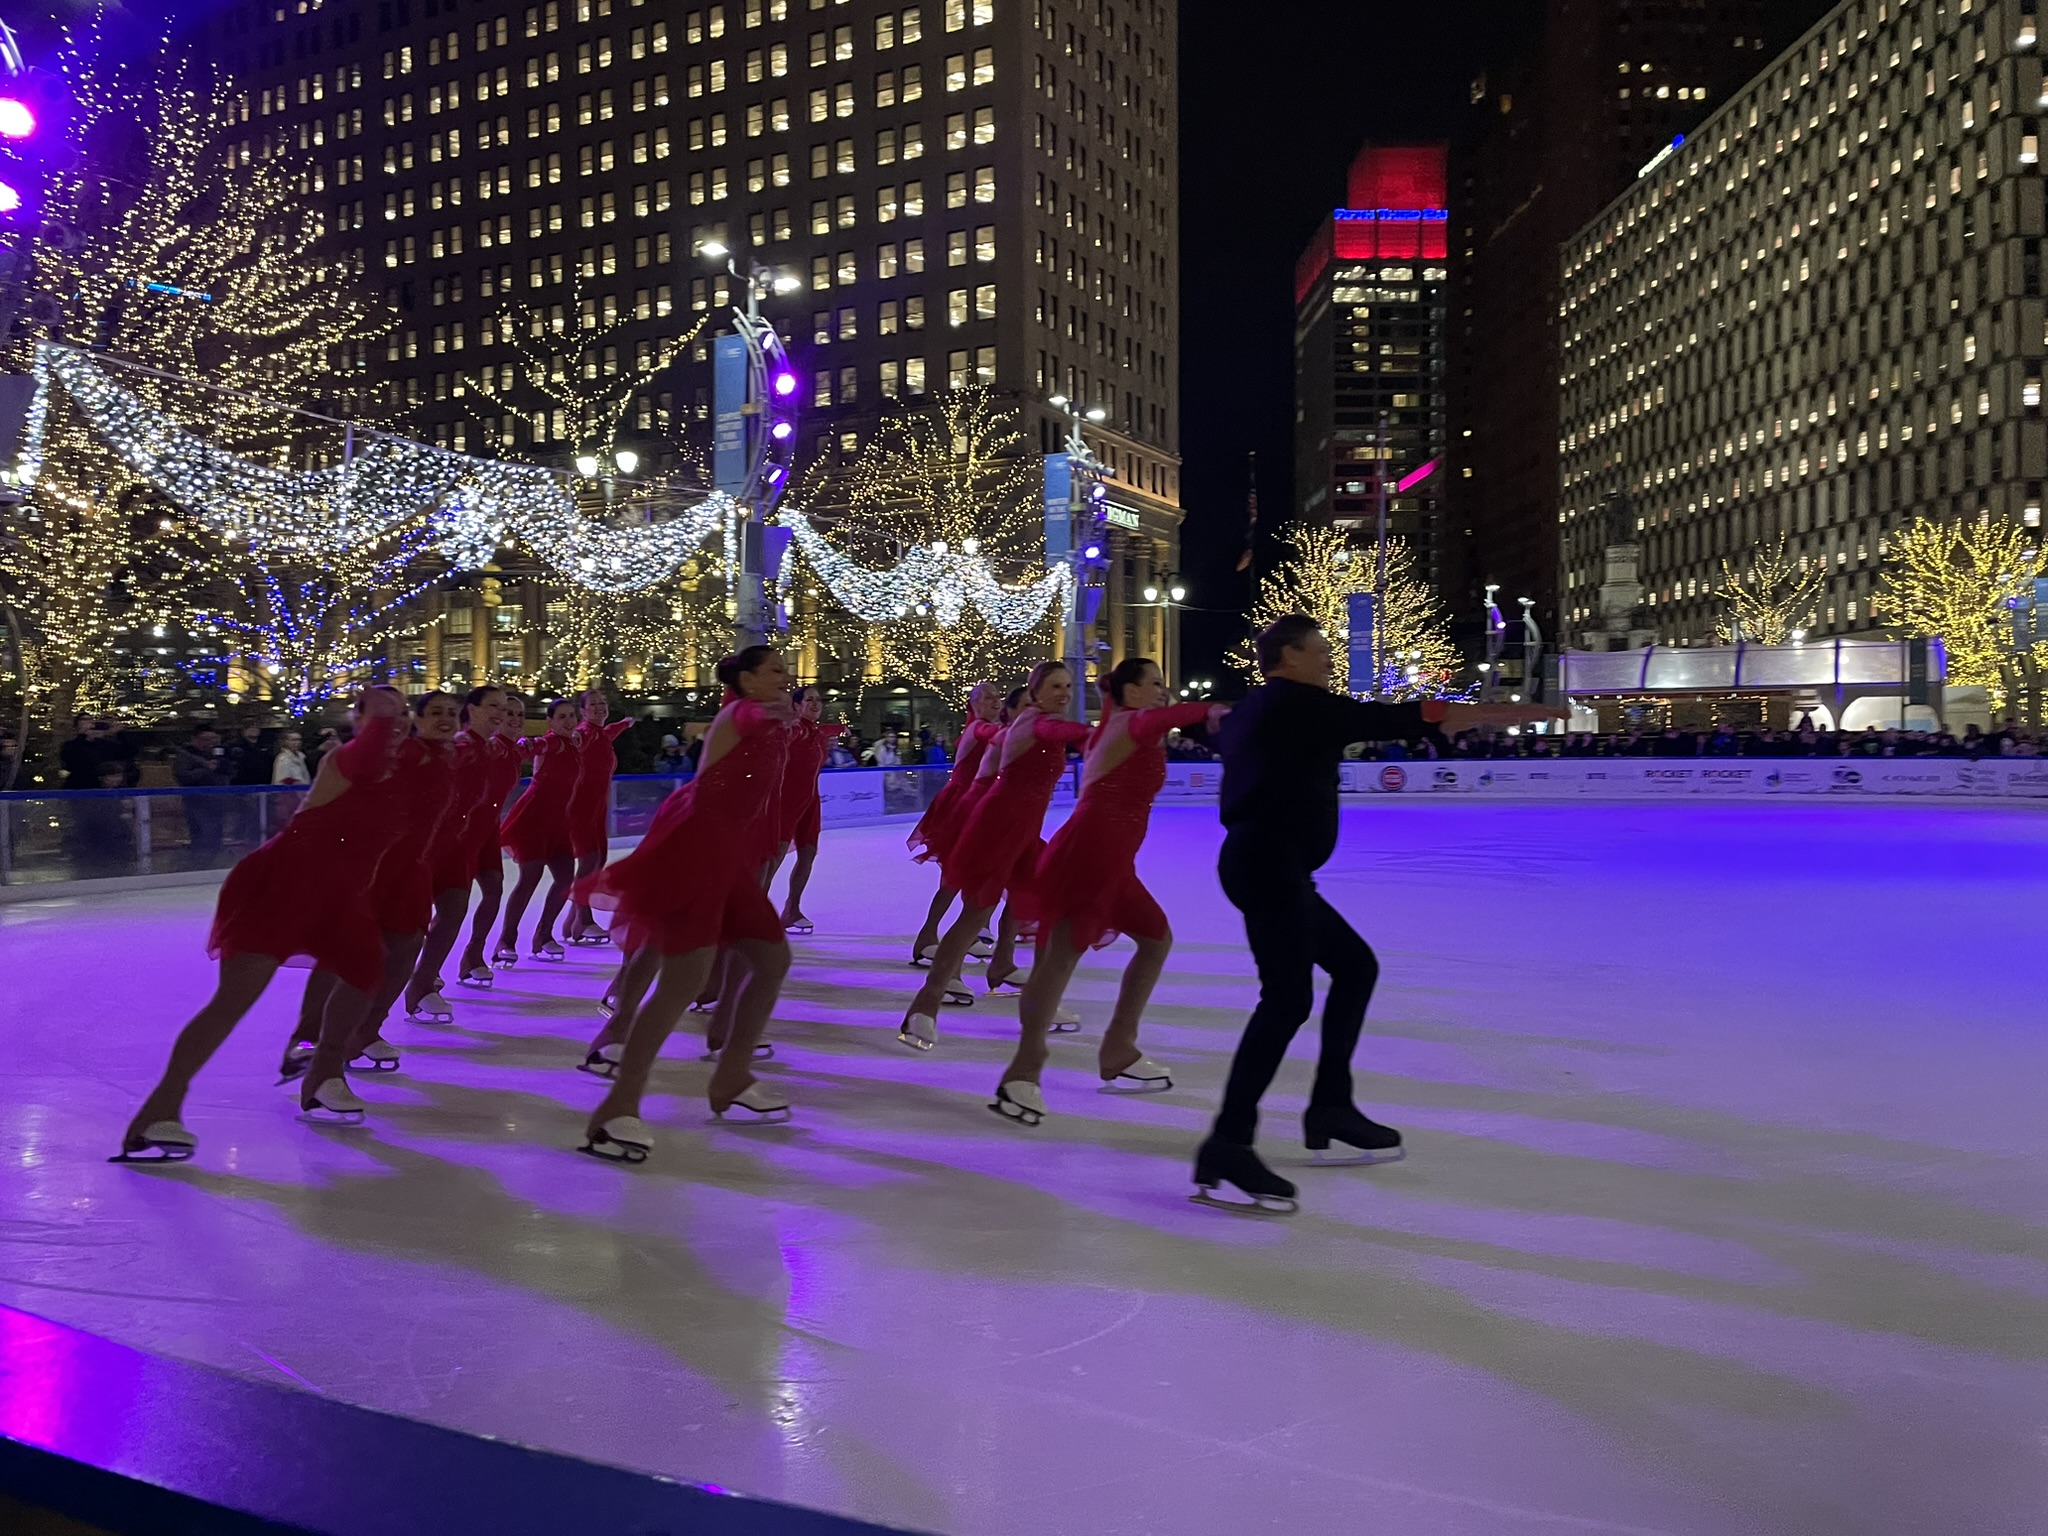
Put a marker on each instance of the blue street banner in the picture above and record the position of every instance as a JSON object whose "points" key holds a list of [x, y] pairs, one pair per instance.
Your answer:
{"points": [[1059, 507], [1359, 616], [729, 414]]}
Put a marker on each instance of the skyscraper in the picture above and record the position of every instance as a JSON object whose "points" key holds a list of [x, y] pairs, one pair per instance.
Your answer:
{"points": [[1369, 354], [957, 191], [1558, 127]]}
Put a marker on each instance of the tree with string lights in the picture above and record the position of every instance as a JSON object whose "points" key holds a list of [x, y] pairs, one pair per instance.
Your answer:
{"points": [[954, 472], [1775, 596], [1955, 581], [1321, 572], [191, 255]]}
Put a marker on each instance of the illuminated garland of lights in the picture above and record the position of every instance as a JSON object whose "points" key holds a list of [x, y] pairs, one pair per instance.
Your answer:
{"points": [[477, 505], [934, 578]]}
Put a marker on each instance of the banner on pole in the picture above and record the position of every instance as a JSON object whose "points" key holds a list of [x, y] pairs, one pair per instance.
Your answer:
{"points": [[1361, 616], [729, 414]]}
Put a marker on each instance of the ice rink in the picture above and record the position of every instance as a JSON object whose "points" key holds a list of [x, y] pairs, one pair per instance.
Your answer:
{"points": [[1725, 1211]]}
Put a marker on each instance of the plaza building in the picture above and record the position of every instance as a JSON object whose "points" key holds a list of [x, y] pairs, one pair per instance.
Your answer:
{"points": [[1820, 315], [952, 193], [1369, 339]]}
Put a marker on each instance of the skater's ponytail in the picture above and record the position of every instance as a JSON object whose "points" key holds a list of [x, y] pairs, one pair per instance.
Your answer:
{"points": [[1127, 673], [1011, 700]]}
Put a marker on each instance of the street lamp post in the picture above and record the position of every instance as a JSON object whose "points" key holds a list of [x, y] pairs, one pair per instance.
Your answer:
{"points": [[1085, 474], [745, 443]]}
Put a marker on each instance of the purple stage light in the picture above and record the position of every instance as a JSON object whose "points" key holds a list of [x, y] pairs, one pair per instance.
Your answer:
{"points": [[10, 199], [785, 383], [781, 431], [16, 120]]}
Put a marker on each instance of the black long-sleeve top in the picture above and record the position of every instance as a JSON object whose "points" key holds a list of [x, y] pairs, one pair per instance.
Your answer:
{"points": [[1281, 748]]}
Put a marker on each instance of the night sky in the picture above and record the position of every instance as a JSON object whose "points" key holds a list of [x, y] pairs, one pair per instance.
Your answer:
{"points": [[1275, 101]]}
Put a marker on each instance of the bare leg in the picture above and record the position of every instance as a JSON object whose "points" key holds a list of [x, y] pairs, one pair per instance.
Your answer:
{"points": [[449, 909], [241, 983], [946, 964], [628, 989], [564, 873], [799, 881], [347, 1011], [648, 1027], [1052, 969], [765, 967], [490, 896], [1003, 959], [928, 935], [581, 919], [313, 1003], [1120, 1040], [401, 952], [515, 904]]}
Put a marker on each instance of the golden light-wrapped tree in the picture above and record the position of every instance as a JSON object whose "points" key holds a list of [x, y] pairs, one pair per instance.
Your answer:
{"points": [[1765, 603], [1322, 570], [955, 471], [1955, 581], [171, 190]]}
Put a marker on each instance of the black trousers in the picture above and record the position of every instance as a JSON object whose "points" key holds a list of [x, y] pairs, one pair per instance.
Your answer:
{"points": [[1292, 931]]}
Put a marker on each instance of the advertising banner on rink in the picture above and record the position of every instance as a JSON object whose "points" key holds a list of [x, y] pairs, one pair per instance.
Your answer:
{"points": [[1666, 778]]}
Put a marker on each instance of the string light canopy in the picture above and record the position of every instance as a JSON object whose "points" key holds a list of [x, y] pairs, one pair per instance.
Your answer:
{"points": [[383, 484], [934, 579]]}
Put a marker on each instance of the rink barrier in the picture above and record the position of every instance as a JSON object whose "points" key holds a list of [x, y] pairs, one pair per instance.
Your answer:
{"points": [[1667, 778], [98, 1437]]}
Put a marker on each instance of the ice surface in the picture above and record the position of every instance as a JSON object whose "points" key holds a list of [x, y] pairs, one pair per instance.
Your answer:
{"points": [[1726, 1209]]}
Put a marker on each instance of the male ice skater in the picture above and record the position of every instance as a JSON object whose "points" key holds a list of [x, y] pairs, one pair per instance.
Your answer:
{"points": [[1281, 747]]}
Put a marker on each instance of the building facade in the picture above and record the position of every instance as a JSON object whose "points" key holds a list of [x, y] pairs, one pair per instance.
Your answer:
{"points": [[953, 192], [1557, 125], [1821, 316], [1369, 355]]}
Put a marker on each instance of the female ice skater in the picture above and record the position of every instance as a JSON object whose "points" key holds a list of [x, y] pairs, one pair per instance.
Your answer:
{"points": [[692, 887], [1281, 748], [932, 838], [997, 850], [304, 893], [455, 868], [422, 791], [1086, 889], [800, 809], [537, 835], [597, 764], [503, 753]]}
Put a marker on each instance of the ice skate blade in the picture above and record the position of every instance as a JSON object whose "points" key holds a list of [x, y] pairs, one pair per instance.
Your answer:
{"points": [[801, 929], [595, 936], [765, 1051], [606, 1150], [1352, 1157], [551, 955], [602, 1062], [1249, 1205], [432, 1009], [1065, 1026], [294, 1065], [1126, 1086], [625, 1139], [1026, 1105], [920, 1032], [161, 1141], [374, 1063], [958, 997], [480, 978], [505, 957], [754, 1107]]}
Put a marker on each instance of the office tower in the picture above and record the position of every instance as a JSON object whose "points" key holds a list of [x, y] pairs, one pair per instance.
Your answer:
{"points": [[1369, 355], [1820, 317], [964, 191]]}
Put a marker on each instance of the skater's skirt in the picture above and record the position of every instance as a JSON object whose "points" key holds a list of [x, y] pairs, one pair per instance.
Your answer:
{"points": [[402, 894], [455, 861], [537, 831], [587, 827], [803, 824], [272, 904], [698, 888], [932, 839], [1087, 878], [995, 856]]}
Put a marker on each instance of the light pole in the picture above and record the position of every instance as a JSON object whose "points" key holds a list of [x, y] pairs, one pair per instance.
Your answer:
{"points": [[753, 434], [1085, 477]]}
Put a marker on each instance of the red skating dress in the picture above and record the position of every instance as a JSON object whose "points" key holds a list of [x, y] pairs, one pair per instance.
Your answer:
{"points": [[538, 828], [502, 756], [305, 894], [801, 813], [695, 880], [998, 847], [402, 891], [932, 838], [455, 846], [596, 762], [1088, 874]]}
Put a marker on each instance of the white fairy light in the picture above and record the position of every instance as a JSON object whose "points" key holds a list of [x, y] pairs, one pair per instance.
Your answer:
{"points": [[949, 583]]}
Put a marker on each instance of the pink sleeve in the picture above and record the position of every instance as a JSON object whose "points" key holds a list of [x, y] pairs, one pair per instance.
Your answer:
{"points": [[1150, 726], [1047, 729], [618, 728], [749, 719], [832, 732], [358, 758]]}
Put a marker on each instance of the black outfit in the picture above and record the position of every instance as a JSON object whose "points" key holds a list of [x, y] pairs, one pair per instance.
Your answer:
{"points": [[80, 758], [205, 822], [1280, 751]]}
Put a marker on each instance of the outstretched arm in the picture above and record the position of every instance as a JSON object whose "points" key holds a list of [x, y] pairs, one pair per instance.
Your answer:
{"points": [[362, 757], [1148, 727], [1045, 728], [618, 728]]}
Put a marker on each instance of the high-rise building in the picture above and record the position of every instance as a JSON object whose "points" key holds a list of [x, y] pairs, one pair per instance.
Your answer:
{"points": [[1369, 354], [959, 192], [1820, 316], [1557, 128]]}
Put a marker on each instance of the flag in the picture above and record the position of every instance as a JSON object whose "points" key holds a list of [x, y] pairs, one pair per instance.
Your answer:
{"points": [[1251, 515]]}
